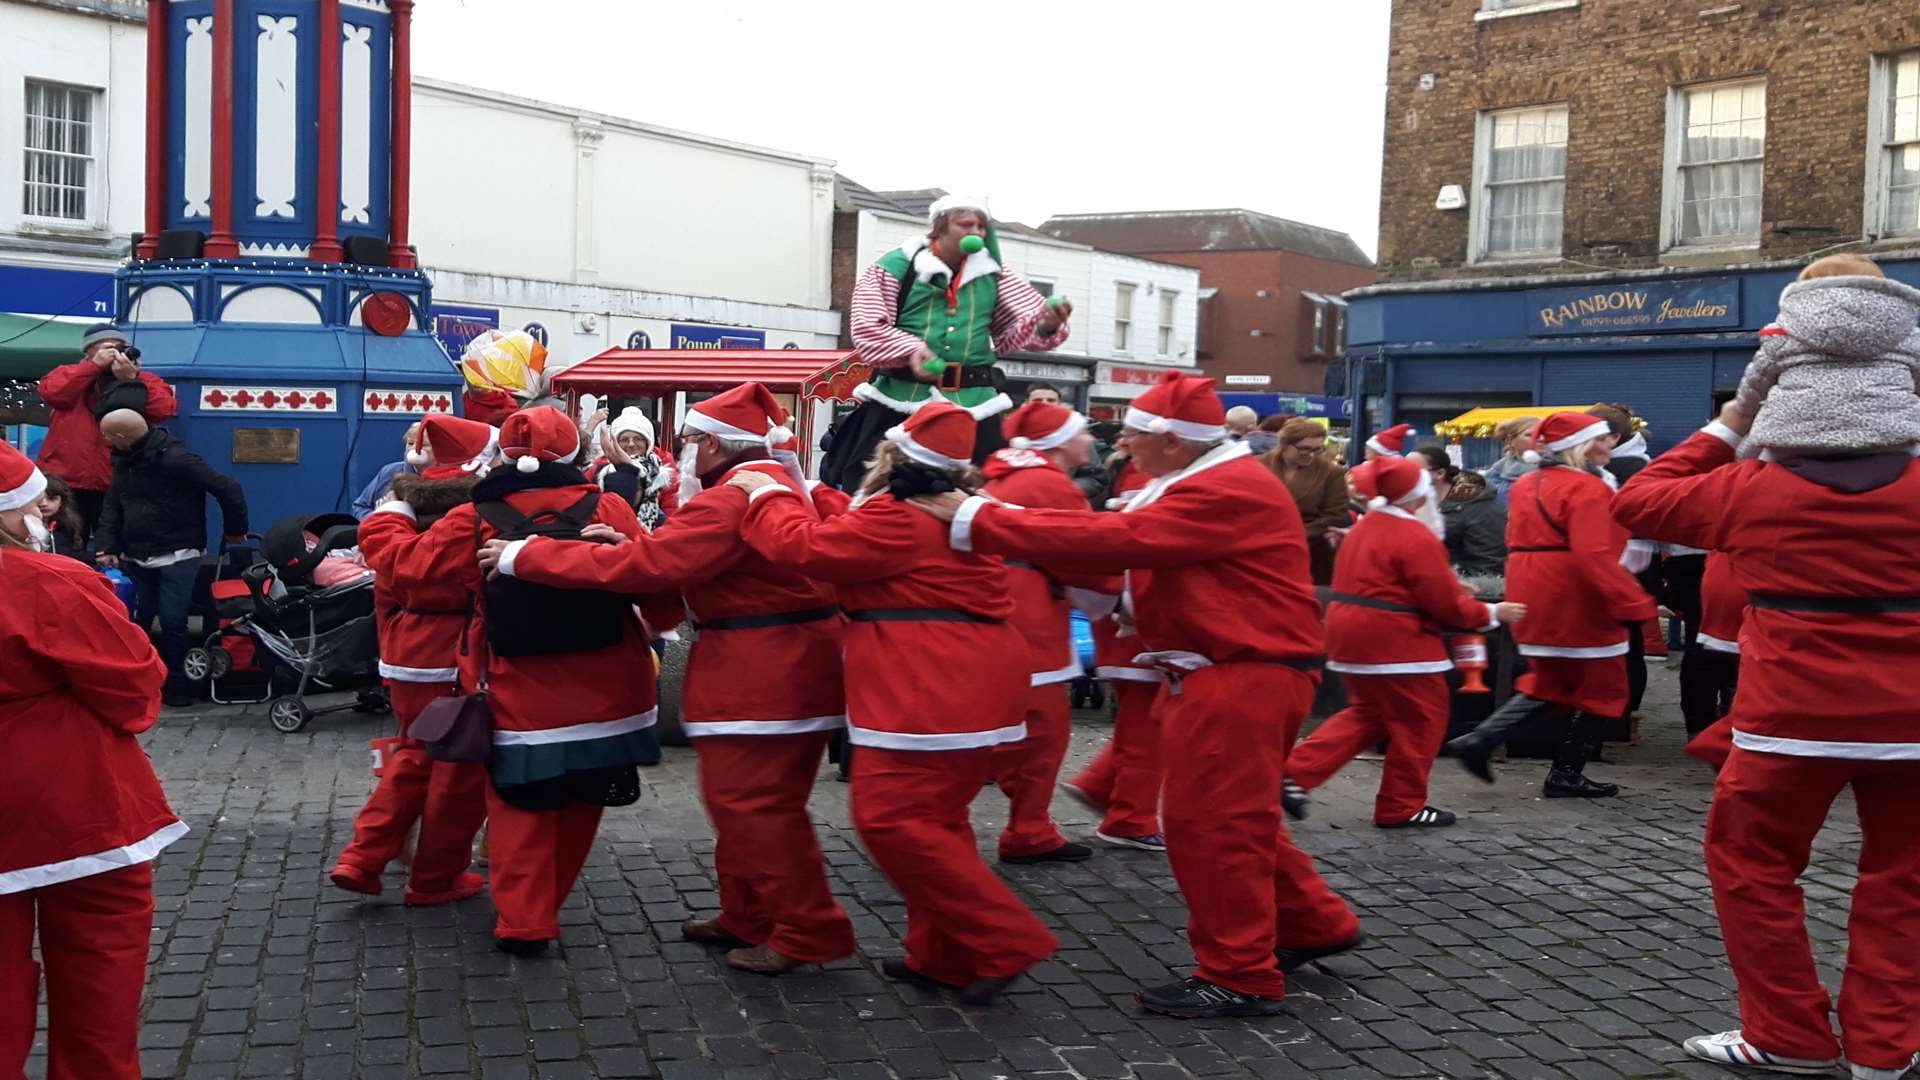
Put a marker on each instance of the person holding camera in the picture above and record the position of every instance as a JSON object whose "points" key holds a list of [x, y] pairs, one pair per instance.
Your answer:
{"points": [[105, 378]]}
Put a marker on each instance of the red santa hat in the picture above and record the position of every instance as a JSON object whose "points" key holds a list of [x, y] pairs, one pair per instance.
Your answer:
{"points": [[1392, 441], [531, 437], [1391, 481], [1562, 432], [459, 446], [939, 434], [20, 483], [746, 412], [1038, 425], [1182, 404]]}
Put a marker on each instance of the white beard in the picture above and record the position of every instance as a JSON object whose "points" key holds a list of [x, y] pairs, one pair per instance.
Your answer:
{"points": [[1430, 516], [37, 535], [689, 475]]}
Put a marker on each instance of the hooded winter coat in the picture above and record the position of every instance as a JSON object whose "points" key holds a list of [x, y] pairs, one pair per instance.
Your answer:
{"points": [[1476, 534], [1838, 370]]}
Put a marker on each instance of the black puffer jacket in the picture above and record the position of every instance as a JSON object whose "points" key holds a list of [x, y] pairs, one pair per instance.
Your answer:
{"points": [[1476, 534], [157, 503]]}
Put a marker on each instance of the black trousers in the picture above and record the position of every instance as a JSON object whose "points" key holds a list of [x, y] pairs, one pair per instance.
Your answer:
{"points": [[1582, 733], [1680, 577], [1708, 678], [89, 504], [1636, 668], [855, 438]]}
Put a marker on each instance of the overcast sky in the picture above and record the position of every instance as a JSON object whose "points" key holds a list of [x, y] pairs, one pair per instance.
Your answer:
{"points": [[1065, 107]]}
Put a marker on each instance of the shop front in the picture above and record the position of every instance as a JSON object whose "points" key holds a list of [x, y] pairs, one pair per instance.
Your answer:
{"points": [[1116, 384], [1069, 375]]}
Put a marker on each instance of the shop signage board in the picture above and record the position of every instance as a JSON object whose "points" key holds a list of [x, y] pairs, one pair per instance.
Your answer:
{"points": [[456, 325], [38, 290], [716, 337], [1635, 307], [1034, 369]]}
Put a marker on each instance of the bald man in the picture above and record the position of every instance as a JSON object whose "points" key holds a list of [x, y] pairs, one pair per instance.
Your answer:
{"points": [[153, 525], [1240, 421]]}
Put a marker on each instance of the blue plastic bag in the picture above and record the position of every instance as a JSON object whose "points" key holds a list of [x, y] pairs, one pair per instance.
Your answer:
{"points": [[1083, 640], [122, 587]]}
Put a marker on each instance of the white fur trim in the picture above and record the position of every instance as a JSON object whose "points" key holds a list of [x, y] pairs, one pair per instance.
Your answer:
{"points": [[1219, 455], [511, 555], [1725, 434], [696, 728], [1493, 618], [765, 489], [1586, 434], [1060, 436], [700, 421], [1188, 662], [140, 851], [599, 729], [1410, 667], [1858, 751], [899, 436], [1377, 447], [418, 674], [1141, 420], [1575, 652], [927, 265], [993, 406], [947, 204], [866, 391], [960, 740], [1020, 442], [29, 491], [1067, 673], [396, 506], [1129, 674], [960, 532], [1422, 489], [1708, 641]]}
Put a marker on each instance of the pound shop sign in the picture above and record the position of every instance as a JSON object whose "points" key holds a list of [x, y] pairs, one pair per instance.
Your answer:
{"points": [[1628, 308]]}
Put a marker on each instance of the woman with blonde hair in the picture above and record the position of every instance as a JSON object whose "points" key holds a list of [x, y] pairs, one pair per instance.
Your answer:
{"points": [[1513, 435], [1564, 564]]}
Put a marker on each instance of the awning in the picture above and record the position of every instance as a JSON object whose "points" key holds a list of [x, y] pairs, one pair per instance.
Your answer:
{"points": [[811, 373], [1479, 423], [32, 345]]}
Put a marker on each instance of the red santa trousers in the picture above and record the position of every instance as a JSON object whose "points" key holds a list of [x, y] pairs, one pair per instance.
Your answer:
{"points": [[533, 859], [1028, 770], [1409, 711], [773, 879], [1595, 686], [1760, 829], [1125, 776], [93, 942], [911, 808], [447, 798], [1249, 890]]}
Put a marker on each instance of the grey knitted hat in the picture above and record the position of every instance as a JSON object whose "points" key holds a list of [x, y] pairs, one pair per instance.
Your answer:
{"points": [[1839, 369], [100, 332]]}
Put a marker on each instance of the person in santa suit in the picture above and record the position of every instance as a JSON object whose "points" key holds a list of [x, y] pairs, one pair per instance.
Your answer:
{"points": [[1229, 613], [1563, 563], [85, 812], [1391, 442], [1393, 593], [1710, 670], [1122, 781], [1046, 442], [759, 739], [420, 625], [1822, 543], [936, 680], [570, 682]]}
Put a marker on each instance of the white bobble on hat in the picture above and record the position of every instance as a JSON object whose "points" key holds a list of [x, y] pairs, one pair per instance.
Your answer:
{"points": [[778, 434], [527, 463], [1376, 502], [416, 458], [1531, 457], [1020, 442]]}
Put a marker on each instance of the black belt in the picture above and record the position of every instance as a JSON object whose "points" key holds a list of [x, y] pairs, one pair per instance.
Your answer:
{"points": [[760, 622], [962, 376], [1021, 564], [1513, 551], [1298, 663], [1837, 605], [430, 611], [1329, 596], [919, 614]]}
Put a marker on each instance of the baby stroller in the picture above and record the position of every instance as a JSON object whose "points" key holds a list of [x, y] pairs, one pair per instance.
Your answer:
{"points": [[305, 638]]}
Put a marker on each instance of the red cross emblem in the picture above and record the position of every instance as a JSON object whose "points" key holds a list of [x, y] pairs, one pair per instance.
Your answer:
{"points": [[393, 402], [242, 398], [409, 401], [216, 397], [296, 399], [270, 399], [441, 403], [373, 402], [322, 400]]}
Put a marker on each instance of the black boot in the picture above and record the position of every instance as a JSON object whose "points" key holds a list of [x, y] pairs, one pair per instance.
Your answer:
{"points": [[1573, 784], [1475, 748], [1567, 780]]}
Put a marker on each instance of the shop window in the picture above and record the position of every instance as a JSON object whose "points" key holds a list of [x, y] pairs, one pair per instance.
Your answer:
{"points": [[1164, 339], [1893, 166], [1520, 183], [1327, 325], [1122, 317], [1041, 286], [59, 152], [1716, 164]]}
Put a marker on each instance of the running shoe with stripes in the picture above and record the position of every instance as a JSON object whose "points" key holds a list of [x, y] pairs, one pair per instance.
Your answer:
{"points": [[1151, 842], [1868, 1072], [1293, 799], [1732, 1049], [1195, 998], [1429, 817]]}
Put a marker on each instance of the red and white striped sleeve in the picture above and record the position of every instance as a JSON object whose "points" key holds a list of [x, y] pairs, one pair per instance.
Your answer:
{"points": [[876, 297], [1017, 316]]}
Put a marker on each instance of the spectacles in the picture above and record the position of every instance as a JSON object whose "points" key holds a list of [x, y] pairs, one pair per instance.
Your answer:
{"points": [[1305, 449]]}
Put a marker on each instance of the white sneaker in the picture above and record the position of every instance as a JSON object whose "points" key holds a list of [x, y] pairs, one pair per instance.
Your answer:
{"points": [[1863, 1072], [1155, 842], [1731, 1049]]}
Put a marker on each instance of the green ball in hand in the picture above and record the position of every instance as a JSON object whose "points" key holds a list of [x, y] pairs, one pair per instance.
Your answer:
{"points": [[1056, 301], [972, 245], [935, 366]]}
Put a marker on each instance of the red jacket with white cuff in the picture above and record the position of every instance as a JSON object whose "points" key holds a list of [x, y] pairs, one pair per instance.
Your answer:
{"points": [[911, 685], [1226, 548], [420, 623], [1563, 562], [1835, 684], [1393, 558], [1723, 606], [774, 679], [1041, 608]]}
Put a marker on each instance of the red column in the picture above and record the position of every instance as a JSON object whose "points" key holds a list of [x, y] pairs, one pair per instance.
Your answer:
{"points": [[156, 128], [326, 231], [220, 242], [400, 139]]}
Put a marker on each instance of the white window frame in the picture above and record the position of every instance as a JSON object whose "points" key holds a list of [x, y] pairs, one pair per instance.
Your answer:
{"points": [[1167, 323], [1670, 191], [1123, 328], [1479, 220], [1506, 9], [1879, 187], [95, 193]]}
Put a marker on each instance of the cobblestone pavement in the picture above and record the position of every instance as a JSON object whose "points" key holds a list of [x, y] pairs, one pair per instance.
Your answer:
{"points": [[1536, 939]]}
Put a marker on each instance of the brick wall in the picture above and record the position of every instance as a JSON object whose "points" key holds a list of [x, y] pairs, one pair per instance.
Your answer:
{"points": [[1283, 316], [1612, 63], [843, 267]]}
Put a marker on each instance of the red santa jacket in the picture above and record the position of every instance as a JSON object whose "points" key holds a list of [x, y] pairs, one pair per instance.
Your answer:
{"points": [[1115, 640], [74, 450], [767, 661], [1723, 606], [1563, 562], [937, 684], [77, 682], [551, 714], [1042, 611], [420, 623], [1812, 683], [1392, 558], [1226, 549]]}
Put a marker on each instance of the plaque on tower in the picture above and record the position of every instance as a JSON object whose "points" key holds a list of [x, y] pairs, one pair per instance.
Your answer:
{"points": [[266, 446]]}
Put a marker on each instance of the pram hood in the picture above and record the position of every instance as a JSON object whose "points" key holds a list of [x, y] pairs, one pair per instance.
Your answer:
{"points": [[287, 550]]}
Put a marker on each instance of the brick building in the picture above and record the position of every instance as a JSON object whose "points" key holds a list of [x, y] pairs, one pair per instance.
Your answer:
{"points": [[1270, 313], [1601, 199]]}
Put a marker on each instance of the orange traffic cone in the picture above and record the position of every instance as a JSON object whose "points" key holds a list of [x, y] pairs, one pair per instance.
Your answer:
{"points": [[1470, 656]]}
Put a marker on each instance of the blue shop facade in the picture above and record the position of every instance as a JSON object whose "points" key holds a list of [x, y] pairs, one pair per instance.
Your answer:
{"points": [[1670, 343]]}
